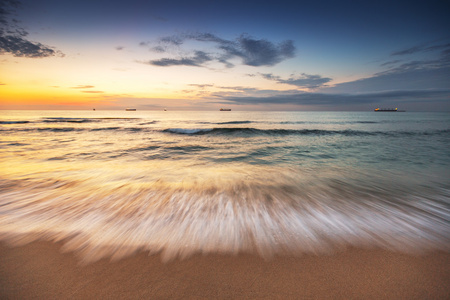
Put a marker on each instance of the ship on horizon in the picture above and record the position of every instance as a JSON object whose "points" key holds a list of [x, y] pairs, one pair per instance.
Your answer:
{"points": [[225, 109], [389, 110]]}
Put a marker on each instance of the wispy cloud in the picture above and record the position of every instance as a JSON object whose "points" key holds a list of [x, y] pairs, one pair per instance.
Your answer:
{"points": [[13, 37], [83, 87], [303, 81], [202, 86], [421, 48], [389, 63], [409, 73], [251, 51], [120, 48], [86, 89]]}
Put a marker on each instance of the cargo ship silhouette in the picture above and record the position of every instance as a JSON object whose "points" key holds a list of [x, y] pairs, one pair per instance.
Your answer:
{"points": [[389, 109]]}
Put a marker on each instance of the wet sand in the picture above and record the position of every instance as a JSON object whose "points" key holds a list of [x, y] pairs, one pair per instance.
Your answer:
{"points": [[41, 271]]}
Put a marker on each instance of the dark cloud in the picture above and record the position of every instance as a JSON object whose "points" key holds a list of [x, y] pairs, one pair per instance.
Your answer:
{"points": [[336, 100], [171, 40], [21, 47], [260, 52], [13, 38], [251, 51], [159, 49], [119, 48], [197, 60], [165, 43], [302, 81]]}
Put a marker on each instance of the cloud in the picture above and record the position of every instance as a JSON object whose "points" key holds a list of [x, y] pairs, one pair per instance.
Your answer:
{"points": [[265, 53], [421, 48], [407, 51], [241, 91], [119, 48], [397, 79], [251, 51], [302, 81], [159, 49], [13, 38], [406, 74], [388, 63], [197, 60], [20, 47], [171, 40], [202, 86], [336, 100], [82, 87]]}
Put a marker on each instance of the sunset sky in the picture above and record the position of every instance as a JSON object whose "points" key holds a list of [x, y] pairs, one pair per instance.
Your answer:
{"points": [[244, 55]]}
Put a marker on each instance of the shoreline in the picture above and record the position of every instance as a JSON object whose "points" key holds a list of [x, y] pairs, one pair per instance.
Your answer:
{"points": [[40, 270]]}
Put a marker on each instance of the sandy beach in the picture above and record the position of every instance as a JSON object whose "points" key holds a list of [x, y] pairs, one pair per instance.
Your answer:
{"points": [[41, 271]]}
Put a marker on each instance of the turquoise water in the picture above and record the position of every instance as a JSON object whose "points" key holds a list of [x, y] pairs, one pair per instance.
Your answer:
{"points": [[108, 183]]}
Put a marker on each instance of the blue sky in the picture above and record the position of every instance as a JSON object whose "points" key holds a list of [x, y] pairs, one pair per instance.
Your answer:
{"points": [[246, 55]]}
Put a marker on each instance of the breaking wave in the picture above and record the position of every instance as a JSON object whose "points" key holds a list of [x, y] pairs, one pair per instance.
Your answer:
{"points": [[255, 131], [270, 215]]}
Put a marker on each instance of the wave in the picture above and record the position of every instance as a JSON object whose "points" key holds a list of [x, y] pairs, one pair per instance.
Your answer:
{"points": [[235, 122], [228, 122], [329, 122], [105, 128], [240, 131], [255, 131], [81, 120], [68, 120], [268, 215], [188, 131], [59, 129], [14, 122]]}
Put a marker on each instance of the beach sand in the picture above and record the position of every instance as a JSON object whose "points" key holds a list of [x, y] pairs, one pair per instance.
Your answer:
{"points": [[41, 271]]}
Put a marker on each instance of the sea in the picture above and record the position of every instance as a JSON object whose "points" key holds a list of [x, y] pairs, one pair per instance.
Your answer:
{"points": [[106, 184]]}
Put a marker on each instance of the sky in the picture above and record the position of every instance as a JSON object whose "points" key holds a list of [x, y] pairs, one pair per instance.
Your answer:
{"points": [[242, 55]]}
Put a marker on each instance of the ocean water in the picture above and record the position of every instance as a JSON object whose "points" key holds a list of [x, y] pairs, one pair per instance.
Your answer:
{"points": [[109, 183]]}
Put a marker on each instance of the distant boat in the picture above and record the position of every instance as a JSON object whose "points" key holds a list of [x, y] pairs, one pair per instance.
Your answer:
{"points": [[225, 109], [130, 109], [388, 110]]}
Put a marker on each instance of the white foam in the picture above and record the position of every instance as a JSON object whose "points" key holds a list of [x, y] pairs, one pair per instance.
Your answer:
{"points": [[220, 214]]}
